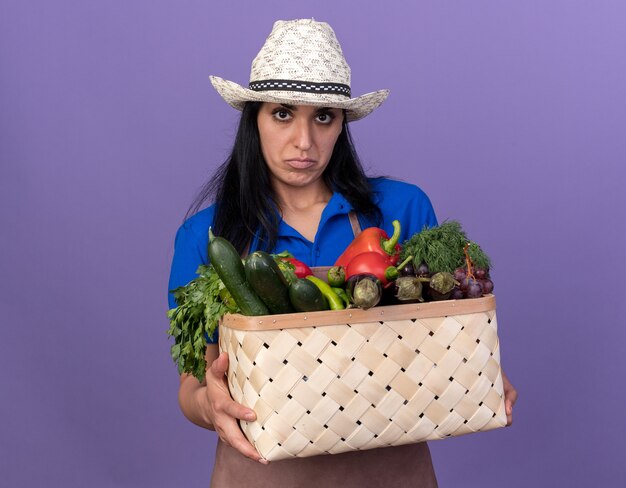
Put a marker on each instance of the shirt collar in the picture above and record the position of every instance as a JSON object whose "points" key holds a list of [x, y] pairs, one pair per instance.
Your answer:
{"points": [[337, 205]]}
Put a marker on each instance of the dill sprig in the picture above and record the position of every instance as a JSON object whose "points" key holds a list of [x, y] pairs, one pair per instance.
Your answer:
{"points": [[441, 248]]}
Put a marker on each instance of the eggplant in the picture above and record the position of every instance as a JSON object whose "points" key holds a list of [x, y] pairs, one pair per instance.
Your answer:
{"points": [[388, 297], [422, 270], [407, 270], [441, 285], [364, 290], [407, 289]]}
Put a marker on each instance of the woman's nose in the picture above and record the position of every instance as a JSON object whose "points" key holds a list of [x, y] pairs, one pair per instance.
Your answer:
{"points": [[303, 136]]}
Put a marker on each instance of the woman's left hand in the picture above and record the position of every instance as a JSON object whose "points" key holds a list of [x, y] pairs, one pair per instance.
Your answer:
{"points": [[510, 397]]}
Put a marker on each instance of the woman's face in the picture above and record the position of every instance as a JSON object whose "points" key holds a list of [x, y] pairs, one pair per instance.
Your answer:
{"points": [[297, 141]]}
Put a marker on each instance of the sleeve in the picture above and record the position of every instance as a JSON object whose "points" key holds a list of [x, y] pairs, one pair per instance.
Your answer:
{"points": [[407, 203], [190, 251], [422, 212], [188, 255]]}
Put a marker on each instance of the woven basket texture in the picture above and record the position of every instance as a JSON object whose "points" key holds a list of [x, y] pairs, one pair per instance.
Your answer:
{"points": [[364, 383]]}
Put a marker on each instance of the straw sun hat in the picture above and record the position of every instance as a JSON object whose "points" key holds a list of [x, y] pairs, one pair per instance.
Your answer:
{"points": [[301, 63]]}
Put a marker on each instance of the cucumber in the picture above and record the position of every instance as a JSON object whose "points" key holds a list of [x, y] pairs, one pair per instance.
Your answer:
{"points": [[305, 296], [268, 281], [227, 263]]}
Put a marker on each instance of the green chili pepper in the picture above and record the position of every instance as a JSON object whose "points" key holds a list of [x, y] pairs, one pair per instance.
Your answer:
{"points": [[334, 301], [341, 293]]}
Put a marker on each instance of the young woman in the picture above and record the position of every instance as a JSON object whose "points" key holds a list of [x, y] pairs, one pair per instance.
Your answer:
{"points": [[292, 181]]}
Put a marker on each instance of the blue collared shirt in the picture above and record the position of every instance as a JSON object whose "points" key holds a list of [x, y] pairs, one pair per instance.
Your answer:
{"points": [[397, 201]]}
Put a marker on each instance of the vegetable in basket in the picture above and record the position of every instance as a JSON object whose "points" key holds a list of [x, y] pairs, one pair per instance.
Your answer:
{"points": [[447, 249], [268, 281], [341, 293], [441, 285], [376, 264], [300, 269], [227, 263], [305, 296], [374, 240], [334, 301], [201, 304], [364, 290], [336, 276], [407, 289], [441, 248]]}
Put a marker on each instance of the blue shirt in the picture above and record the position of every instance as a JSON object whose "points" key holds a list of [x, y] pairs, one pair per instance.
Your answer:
{"points": [[397, 201]]}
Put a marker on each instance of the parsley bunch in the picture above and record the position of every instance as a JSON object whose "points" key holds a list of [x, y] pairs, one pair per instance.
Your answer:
{"points": [[201, 303]]}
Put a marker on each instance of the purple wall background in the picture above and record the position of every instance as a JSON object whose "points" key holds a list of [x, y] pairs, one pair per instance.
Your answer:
{"points": [[511, 116]]}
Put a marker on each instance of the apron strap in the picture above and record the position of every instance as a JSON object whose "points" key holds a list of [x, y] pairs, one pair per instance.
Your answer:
{"points": [[322, 271], [354, 222]]}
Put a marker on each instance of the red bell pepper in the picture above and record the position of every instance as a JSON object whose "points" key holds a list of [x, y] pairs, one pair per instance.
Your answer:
{"points": [[301, 269], [373, 240], [376, 264]]}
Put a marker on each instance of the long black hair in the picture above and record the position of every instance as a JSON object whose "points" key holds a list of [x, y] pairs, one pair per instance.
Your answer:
{"points": [[245, 201]]}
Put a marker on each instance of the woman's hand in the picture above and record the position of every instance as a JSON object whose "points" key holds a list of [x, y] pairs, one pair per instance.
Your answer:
{"points": [[224, 411], [510, 397], [210, 405]]}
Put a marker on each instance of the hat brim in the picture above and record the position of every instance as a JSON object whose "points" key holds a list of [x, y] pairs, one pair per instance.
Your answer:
{"points": [[356, 108]]}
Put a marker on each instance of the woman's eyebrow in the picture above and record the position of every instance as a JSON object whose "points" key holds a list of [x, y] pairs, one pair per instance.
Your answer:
{"points": [[325, 110], [295, 108]]}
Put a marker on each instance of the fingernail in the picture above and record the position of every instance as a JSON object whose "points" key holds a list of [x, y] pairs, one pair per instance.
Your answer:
{"points": [[264, 461], [250, 416]]}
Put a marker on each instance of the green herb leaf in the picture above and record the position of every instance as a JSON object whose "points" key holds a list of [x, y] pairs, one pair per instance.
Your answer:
{"points": [[284, 254], [287, 268], [441, 248], [200, 305]]}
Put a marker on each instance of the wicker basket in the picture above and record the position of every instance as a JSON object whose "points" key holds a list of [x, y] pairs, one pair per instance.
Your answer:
{"points": [[330, 382]]}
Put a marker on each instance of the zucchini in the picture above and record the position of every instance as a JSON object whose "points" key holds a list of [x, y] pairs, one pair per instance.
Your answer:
{"points": [[227, 263], [305, 296], [268, 281]]}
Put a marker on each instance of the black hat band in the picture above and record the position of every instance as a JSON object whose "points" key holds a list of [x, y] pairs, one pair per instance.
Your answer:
{"points": [[301, 86]]}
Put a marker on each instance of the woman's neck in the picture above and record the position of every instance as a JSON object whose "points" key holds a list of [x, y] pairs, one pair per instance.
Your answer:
{"points": [[302, 207], [301, 199]]}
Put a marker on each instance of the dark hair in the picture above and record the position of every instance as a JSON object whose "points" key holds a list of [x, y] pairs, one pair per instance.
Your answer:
{"points": [[245, 201]]}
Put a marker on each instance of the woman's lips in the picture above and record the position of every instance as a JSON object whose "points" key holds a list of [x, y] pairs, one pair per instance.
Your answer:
{"points": [[299, 163]]}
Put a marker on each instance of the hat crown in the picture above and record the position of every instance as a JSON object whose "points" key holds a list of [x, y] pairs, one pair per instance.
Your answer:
{"points": [[301, 50]]}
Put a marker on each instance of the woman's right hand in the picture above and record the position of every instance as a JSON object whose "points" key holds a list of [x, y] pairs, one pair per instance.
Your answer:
{"points": [[211, 406]]}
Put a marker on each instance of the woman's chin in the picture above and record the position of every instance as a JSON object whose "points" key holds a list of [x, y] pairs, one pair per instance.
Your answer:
{"points": [[299, 180]]}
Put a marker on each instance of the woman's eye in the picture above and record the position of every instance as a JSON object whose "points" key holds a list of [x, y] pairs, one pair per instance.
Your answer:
{"points": [[282, 115], [324, 118]]}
